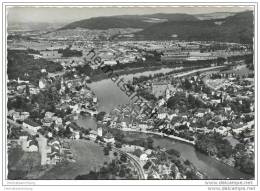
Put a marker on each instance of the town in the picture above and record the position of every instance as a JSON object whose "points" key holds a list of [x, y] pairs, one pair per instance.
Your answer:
{"points": [[67, 119]]}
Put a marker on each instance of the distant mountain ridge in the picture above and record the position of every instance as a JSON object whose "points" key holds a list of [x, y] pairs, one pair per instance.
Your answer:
{"points": [[215, 15], [167, 16], [126, 21], [235, 28]]}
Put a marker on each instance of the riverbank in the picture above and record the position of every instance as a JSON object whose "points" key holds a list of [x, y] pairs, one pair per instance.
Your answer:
{"points": [[213, 168], [226, 162], [161, 134], [127, 71], [110, 96]]}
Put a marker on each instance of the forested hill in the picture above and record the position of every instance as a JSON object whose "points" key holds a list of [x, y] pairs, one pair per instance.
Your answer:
{"points": [[237, 28], [21, 64], [127, 21]]}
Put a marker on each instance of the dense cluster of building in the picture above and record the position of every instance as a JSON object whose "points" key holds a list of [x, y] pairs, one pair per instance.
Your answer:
{"points": [[212, 102], [185, 106]]}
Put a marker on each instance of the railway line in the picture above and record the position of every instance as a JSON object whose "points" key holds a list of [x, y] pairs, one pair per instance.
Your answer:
{"points": [[134, 161]]}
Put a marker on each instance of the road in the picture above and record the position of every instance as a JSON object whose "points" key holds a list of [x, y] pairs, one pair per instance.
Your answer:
{"points": [[160, 134], [135, 162], [131, 158], [197, 70]]}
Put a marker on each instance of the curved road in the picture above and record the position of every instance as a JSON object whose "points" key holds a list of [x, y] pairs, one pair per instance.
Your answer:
{"points": [[135, 162], [160, 134], [197, 70], [131, 158]]}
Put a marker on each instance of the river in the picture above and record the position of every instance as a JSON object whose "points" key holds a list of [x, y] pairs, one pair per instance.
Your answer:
{"points": [[110, 96], [211, 167]]}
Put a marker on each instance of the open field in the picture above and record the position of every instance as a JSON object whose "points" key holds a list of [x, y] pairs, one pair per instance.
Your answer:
{"points": [[23, 165], [88, 156]]}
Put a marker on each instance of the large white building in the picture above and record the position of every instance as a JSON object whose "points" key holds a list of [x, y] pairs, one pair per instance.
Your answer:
{"points": [[31, 125]]}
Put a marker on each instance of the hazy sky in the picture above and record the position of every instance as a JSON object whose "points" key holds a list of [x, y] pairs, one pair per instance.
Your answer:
{"points": [[66, 14]]}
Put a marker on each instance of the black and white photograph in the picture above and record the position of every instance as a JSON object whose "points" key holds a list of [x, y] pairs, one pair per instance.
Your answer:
{"points": [[124, 93]]}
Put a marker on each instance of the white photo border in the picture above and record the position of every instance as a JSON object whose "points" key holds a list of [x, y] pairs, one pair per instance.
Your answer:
{"points": [[190, 183]]}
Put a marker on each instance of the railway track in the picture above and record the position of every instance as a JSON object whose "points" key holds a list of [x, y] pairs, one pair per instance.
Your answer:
{"points": [[134, 161]]}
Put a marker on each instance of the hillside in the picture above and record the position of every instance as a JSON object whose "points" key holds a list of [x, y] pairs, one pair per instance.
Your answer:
{"points": [[237, 28], [173, 17], [23, 65], [161, 16], [128, 21], [215, 15], [103, 23]]}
